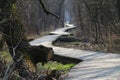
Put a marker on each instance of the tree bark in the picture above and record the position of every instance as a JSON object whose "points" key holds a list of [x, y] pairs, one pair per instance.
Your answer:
{"points": [[18, 44]]}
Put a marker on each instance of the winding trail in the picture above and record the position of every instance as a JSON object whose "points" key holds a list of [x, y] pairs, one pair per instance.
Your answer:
{"points": [[96, 65]]}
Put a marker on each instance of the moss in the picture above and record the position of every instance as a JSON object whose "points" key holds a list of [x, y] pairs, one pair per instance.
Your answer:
{"points": [[29, 64], [14, 11], [6, 56]]}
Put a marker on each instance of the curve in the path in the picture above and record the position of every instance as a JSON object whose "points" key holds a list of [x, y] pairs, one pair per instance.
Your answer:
{"points": [[48, 39], [96, 65]]}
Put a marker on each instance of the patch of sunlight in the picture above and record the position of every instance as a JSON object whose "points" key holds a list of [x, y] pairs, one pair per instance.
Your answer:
{"points": [[53, 65]]}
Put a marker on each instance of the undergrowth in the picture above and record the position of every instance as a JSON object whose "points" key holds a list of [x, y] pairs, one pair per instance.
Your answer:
{"points": [[52, 70]]}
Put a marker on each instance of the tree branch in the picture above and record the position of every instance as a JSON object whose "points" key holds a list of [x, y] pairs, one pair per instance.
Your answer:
{"points": [[11, 68], [46, 11]]}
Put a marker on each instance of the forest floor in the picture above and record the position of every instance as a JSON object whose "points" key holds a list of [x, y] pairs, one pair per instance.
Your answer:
{"points": [[76, 43], [82, 44]]}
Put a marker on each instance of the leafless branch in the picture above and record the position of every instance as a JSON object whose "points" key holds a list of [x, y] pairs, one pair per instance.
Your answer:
{"points": [[16, 47], [46, 11], [17, 44], [11, 68], [5, 35]]}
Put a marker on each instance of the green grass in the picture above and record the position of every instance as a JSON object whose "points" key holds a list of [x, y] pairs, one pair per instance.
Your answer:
{"points": [[53, 65], [61, 69], [46, 69]]}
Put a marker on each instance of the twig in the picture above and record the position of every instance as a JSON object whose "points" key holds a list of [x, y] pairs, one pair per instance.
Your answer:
{"points": [[16, 47], [12, 65], [5, 35], [18, 44], [10, 68]]}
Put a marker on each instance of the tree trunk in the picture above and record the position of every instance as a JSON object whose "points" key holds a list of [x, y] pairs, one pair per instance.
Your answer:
{"points": [[18, 44]]}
